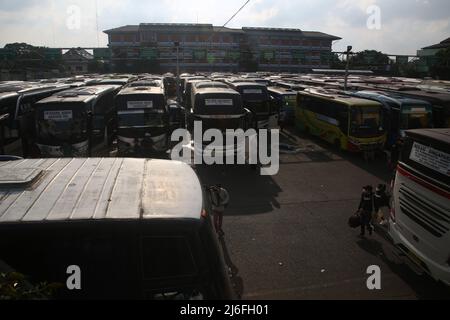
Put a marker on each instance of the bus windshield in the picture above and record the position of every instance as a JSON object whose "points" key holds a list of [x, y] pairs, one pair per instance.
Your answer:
{"points": [[427, 158], [64, 123], [290, 101], [415, 118], [258, 106], [140, 118], [366, 121]]}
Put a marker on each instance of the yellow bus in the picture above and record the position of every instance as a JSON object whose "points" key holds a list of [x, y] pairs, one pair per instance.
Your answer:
{"points": [[349, 123]]}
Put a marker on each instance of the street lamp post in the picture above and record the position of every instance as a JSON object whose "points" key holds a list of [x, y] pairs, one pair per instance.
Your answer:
{"points": [[349, 49], [177, 45]]}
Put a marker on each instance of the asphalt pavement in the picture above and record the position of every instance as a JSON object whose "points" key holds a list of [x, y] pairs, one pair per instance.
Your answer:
{"points": [[286, 236]]}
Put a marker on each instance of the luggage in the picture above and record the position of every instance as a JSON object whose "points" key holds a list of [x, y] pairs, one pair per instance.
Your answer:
{"points": [[354, 221], [378, 217]]}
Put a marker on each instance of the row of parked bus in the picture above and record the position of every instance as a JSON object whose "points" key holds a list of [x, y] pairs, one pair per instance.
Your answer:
{"points": [[66, 119], [370, 115], [136, 114]]}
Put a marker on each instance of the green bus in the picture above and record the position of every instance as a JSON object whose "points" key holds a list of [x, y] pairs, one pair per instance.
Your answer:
{"points": [[349, 123]]}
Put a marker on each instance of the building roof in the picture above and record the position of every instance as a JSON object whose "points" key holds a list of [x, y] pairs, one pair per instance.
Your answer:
{"points": [[271, 29], [442, 45], [211, 28], [52, 190], [321, 35], [127, 28], [79, 53]]}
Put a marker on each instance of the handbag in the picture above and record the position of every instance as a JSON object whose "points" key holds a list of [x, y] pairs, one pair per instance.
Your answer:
{"points": [[354, 221]]}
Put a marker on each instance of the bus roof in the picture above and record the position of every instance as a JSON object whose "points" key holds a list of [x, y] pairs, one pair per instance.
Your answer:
{"points": [[431, 96], [282, 91], [338, 97], [390, 97], [441, 135], [141, 90], [248, 85], [38, 190], [216, 90], [81, 94]]}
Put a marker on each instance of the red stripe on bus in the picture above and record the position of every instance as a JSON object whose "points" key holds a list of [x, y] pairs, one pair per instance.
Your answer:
{"points": [[423, 183]]}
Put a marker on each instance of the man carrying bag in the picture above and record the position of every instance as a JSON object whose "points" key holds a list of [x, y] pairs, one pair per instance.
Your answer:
{"points": [[219, 200]]}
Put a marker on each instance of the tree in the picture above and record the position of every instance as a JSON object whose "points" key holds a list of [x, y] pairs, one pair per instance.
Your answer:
{"points": [[15, 286], [370, 58], [441, 69], [336, 63]]}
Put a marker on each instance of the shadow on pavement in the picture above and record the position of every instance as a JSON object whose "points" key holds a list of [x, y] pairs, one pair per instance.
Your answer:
{"points": [[377, 167], [236, 280], [250, 192], [424, 286]]}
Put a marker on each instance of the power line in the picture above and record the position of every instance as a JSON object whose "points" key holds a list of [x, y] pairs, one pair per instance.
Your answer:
{"points": [[237, 12]]}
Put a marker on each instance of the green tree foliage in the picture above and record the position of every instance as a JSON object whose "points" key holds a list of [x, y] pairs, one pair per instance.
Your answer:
{"points": [[14, 286], [370, 58], [441, 68], [336, 63]]}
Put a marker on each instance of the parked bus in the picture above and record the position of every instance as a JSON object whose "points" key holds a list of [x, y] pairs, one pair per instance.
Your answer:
{"points": [[400, 113], [420, 218], [187, 91], [135, 228], [17, 100], [170, 85], [202, 84], [349, 123], [439, 100], [284, 100], [221, 109], [142, 121], [256, 98], [73, 122]]}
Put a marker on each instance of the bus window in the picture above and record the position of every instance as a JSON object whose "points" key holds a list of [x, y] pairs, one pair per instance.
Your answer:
{"points": [[342, 117], [365, 121], [140, 118], [65, 124], [417, 118], [175, 259]]}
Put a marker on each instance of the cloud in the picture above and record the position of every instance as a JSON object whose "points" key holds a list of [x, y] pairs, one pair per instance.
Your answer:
{"points": [[406, 25]]}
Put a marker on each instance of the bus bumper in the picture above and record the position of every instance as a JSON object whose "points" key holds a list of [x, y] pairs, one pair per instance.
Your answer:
{"points": [[439, 272], [74, 150], [128, 145]]}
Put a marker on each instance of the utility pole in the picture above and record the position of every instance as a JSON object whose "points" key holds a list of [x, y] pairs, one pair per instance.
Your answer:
{"points": [[349, 49], [177, 45]]}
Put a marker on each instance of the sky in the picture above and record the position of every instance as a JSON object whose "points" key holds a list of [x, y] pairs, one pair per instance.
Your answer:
{"points": [[391, 26]]}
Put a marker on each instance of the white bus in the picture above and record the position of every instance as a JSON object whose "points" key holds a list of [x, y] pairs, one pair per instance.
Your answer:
{"points": [[420, 218]]}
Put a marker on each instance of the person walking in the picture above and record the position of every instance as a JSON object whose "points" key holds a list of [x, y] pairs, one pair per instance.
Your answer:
{"points": [[366, 209], [380, 200], [219, 200]]}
